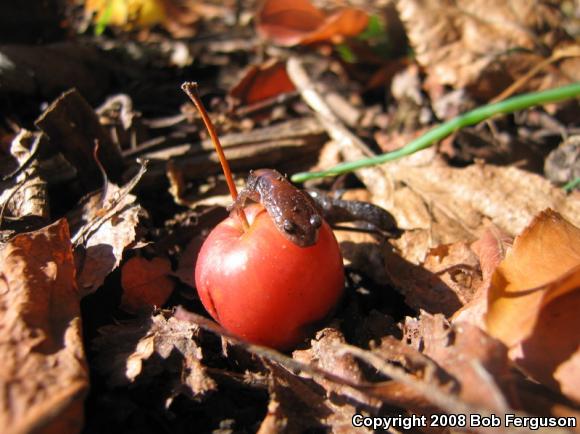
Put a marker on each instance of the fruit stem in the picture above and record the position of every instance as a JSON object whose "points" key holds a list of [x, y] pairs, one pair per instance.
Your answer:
{"points": [[190, 88]]}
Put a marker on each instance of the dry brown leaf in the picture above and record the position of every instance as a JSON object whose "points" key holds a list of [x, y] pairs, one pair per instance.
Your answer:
{"points": [[43, 375], [145, 283], [535, 296], [422, 288], [142, 349], [298, 405], [261, 82], [471, 197], [422, 391], [287, 23], [25, 195], [422, 367], [323, 354], [411, 392], [490, 249], [480, 44], [299, 22], [102, 228], [345, 23], [458, 267], [537, 270], [478, 362]]}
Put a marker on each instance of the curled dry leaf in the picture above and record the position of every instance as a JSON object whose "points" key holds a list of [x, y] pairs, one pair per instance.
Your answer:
{"points": [[43, 375], [24, 194], [323, 354], [300, 22], [491, 248], [534, 300], [139, 350], [102, 228], [145, 283], [261, 82], [480, 44]]}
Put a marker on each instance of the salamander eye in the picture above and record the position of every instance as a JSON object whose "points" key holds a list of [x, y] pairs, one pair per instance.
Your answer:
{"points": [[289, 227], [315, 220]]}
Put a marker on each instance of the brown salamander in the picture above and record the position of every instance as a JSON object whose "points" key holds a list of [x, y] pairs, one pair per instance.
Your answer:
{"points": [[293, 211], [298, 215]]}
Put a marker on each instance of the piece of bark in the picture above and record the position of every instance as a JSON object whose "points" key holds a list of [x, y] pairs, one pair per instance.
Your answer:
{"points": [[248, 157], [306, 129], [73, 128], [283, 146], [43, 374]]}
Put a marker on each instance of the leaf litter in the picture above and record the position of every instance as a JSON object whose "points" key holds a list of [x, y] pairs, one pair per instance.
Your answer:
{"points": [[471, 310]]}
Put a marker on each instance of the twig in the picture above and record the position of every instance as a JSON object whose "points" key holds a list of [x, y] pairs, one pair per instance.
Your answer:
{"points": [[443, 130], [336, 130], [266, 104]]}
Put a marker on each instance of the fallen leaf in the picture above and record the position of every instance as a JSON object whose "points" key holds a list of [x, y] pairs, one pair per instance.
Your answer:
{"points": [[299, 22], [285, 22], [458, 267], [567, 374], [421, 288], [261, 82], [511, 198], [534, 297], [491, 248], [43, 373], [25, 193], [102, 228], [345, 23], [146, 284], [323, 354], [138, 351], [478, 362], [411, 392], [483, 45], [298, 405]]}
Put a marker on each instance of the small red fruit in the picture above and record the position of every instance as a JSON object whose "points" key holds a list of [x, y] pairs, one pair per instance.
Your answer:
{"points": [[262, 287]]}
